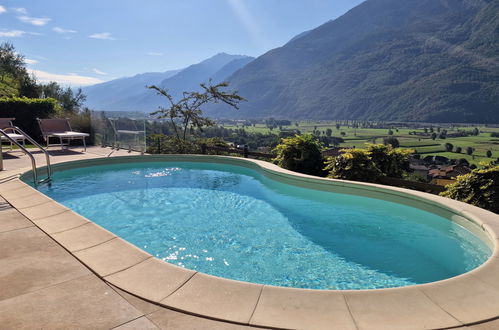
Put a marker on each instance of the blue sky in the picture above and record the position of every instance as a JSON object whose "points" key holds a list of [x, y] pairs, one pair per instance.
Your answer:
{"points": [[81, 42]]}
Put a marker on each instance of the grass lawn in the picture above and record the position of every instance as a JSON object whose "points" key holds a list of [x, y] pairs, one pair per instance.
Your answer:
{"points": [[422, 144]]}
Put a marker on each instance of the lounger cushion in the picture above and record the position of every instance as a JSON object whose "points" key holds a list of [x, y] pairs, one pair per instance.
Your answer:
{"points": [[70, 134], [14, 137]]}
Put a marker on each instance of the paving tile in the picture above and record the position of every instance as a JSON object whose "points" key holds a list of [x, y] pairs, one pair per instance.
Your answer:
{"points": [[171, 320], [42, 211], [152, 279], [405, 308], [466, 298], [12, 185], [83, 237], [142, 323], [60, 222], [22, 192], [143, 306], [33, 262], [489, 272], [111, 257], [491, 325], [11, 219], [83, 303], [294, 308], [30, 200], [216, 297], [24, 240]]}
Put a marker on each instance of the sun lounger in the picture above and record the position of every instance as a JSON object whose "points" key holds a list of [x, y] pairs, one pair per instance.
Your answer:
{"points": [[61, 129], [7, 127]]}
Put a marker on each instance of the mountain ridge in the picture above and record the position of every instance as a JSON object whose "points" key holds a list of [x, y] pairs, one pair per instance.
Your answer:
{"points": [[433, 60], [131, 94]]}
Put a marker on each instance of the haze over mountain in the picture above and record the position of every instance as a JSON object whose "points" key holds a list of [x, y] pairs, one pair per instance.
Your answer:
{"points": [[130, 93], [407, 60]]}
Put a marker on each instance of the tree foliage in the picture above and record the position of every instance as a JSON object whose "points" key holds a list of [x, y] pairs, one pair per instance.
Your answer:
{"points": [[300, 153], [479, 188], [354, 165], [369, 164]]}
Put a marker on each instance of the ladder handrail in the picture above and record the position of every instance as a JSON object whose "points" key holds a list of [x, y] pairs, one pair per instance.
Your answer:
{"points": [[33, 162], [47, 155]]}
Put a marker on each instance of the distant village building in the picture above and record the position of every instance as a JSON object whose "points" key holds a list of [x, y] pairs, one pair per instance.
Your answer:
{"points": [[445, 175]]}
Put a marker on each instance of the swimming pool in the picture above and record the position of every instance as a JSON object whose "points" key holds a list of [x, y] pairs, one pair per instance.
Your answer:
{"points": [[234, 222]]}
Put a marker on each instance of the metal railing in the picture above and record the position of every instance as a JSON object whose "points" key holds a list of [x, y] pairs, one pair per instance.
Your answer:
{"points": [[30, 155]]}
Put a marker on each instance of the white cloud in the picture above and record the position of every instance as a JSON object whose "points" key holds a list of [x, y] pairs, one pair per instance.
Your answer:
{"points": [[155, 54], [2, 9], [61, 30], [21, 11], [12, 33], [99, 72], [37, 21], [65, 79], [29, 61], [102, 36]]}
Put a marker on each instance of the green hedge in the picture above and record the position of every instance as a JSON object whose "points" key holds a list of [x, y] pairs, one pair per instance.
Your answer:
{"points": [[26, 111]]}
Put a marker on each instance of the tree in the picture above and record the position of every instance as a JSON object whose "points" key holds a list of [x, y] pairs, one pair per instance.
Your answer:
{"points": [[329, 132], [338, 126], [433, 136], [187, 112], [449, 147], [354, 165], [459, 150], [369, 164], [69, 100], [11, 63], [390, 132], [479, 188], [390, 161], [393, 141], [300, 153], [469, 150], [489, 154]]}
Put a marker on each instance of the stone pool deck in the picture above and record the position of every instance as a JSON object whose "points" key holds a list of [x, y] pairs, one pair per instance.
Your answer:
{"points": [[57, 270], [43, 286]]}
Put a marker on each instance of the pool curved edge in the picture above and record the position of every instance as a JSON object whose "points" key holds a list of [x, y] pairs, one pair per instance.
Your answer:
{"points": [[469, 298]]}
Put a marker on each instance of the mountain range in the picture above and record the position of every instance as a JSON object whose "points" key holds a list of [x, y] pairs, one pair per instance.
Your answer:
{"points": [[401, 60], [131, 94], [392, 60]]}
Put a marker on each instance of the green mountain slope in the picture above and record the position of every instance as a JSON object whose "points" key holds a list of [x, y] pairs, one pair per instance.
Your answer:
{"points": [[411, 60]]}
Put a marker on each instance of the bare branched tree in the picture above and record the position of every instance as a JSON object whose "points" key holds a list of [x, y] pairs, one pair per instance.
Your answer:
{"points": [[186, 113]]}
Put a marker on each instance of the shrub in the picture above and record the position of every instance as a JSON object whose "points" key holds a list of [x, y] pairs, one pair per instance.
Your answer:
{"points": [[459, 150], [27, 110], [369, 164], [301, 153], [469, 150], [353, 164], [479, 188], [489, 154], [449, 147], [390, 161]]}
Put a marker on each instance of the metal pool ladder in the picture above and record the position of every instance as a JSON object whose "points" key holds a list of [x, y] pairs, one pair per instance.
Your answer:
{"points": [[30, 155]]}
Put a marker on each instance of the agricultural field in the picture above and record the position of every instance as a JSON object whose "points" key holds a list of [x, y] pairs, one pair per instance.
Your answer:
{"points": [[424, 145]]}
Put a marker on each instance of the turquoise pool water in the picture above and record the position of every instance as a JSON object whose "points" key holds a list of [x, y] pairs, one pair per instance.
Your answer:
{"points": [[232, 222]]}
